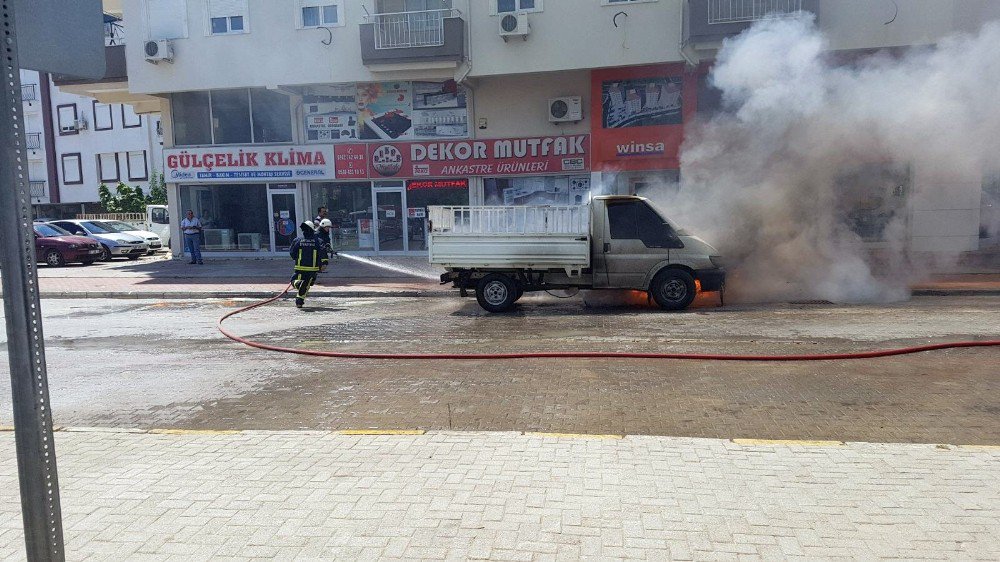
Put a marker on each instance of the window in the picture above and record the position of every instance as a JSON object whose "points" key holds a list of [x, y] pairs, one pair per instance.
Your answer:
{"points": [[507, 6], [317, 13], [166, 19], [159, 216], [538, 190], [129, 118], [67, 116], [231, 117], [636, 220], [192, 118], [227, 16], [272, 116], [225, 117], [618, 2], [102, 117], [234, 216], [107, 167], [349, 209], [72, 169], [137, 169]]}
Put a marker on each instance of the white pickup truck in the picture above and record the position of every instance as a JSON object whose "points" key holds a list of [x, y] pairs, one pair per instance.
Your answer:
{"points": [[615, 242]]}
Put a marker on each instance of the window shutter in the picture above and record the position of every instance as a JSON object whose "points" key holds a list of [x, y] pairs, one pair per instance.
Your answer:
{"points": [[226, 8], [166, 19]]}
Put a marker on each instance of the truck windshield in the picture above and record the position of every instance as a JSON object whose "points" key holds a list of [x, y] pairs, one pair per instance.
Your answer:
{"points": [[637, 220]]}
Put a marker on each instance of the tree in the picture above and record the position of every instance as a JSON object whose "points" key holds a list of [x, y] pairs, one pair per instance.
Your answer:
{"points": [[128, 199]]}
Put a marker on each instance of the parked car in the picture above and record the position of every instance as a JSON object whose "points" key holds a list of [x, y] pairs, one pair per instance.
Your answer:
{"points": [[113, 243], [151, 238], [57, 247]]}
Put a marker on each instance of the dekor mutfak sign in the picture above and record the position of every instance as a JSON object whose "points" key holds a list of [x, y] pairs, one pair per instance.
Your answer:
{"points": [[242, 163], [441, 159]]}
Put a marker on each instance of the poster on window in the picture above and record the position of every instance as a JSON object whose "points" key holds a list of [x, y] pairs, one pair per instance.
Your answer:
{"points": [[331, 113], [385, 110], [439, 110], [641, 102]]}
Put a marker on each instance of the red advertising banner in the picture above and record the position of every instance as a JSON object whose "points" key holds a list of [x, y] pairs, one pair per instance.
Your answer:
{"points": [[463, 158]]}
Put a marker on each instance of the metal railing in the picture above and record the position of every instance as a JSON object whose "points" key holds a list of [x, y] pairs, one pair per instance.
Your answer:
{"points": [[401, 30], [737, 11], [33, 141], [37, 188], [29, 92], [550, 220]]}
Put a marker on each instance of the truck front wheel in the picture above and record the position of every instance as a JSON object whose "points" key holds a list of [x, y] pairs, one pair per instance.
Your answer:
{"points": [[496, 292], [673, 289]]}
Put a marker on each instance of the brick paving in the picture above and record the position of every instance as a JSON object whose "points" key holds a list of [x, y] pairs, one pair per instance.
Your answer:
{"points": [[508, 496]]}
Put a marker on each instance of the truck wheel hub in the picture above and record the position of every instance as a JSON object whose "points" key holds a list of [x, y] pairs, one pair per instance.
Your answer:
{"points": [[495, 292], [674, 290]]}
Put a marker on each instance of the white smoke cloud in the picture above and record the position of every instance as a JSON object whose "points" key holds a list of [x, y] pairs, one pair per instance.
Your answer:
{"points": [[776, 180]]}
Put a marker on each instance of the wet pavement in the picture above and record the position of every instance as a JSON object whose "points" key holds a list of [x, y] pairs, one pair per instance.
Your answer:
{"points": [[147, 363]]}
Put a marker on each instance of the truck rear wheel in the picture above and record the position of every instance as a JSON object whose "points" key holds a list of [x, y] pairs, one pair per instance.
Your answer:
{"points": [[673, 289], [496, 292]]}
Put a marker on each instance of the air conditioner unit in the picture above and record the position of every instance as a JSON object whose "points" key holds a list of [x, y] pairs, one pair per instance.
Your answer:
{"points": [[565, 109], [159, 50], [514, 25], [80, 124]]}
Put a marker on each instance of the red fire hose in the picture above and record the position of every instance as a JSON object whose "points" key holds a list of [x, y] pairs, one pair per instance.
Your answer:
{"points": [[589, 354]]}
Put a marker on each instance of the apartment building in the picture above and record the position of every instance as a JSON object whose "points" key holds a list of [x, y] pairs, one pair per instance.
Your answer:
{"points": [[376, 109], [76, 143]]}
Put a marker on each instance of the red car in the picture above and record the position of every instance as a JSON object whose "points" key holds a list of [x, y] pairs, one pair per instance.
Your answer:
{"points": [[57, 247]]}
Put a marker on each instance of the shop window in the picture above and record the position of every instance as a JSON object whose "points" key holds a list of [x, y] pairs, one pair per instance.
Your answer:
{"points": [[227, 16], [107, 167], [507, 6], [166, 19], [191, 118], [709, 97], [537, 190], [72, 168], [102, 117], [871, 197], [318, 13], [231, 117], [272, 117], [349, 207], [421, 194], [130, 120], [989, 211], [234, 216]]}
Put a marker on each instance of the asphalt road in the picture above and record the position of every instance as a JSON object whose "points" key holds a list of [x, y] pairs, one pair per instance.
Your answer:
{"points": [[139, 363]]}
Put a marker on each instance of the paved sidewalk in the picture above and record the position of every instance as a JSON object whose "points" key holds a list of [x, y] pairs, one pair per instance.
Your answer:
{"points": [[508, 496]]}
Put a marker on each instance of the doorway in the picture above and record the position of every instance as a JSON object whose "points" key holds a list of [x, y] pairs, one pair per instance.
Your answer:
{"points": [[389, 218], [282, 202]]}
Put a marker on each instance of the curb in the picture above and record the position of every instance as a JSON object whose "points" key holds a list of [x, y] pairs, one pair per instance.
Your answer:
{"points": [[955, 292], [235, 295]]}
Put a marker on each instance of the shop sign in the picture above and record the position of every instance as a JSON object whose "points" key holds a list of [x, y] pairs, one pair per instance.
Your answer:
{"points": [[413, 185], [244, 163], [496, 157], [416, 212]]}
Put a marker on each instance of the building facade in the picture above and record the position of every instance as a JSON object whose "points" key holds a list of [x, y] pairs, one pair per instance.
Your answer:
{"points": [[376, 109]]}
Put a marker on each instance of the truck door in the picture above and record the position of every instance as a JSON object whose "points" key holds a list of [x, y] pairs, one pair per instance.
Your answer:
{"points": [[636, 240]]}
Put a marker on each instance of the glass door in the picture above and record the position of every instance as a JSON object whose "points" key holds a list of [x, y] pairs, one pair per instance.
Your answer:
{"points": [[284, 223], [390, 219]]}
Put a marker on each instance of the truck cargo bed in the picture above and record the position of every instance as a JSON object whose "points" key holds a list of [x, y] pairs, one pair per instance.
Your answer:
{"points": [[537, 238]]}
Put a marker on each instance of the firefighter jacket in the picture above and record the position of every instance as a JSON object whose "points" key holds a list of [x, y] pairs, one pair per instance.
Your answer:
{"points": [[309, 253]]}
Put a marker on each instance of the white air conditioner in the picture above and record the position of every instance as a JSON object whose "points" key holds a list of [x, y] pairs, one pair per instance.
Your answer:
{"points": [[159, 50], [80, 124], [248, 240], [565, 109], [514, 25]]}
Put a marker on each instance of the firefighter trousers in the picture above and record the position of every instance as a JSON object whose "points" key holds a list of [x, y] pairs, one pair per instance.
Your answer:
{"points": [[303, 281]]}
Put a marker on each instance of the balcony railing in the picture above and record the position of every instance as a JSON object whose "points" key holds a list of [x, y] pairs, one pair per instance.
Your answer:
{"points": [[33, 141], [403, 30], [37, 188], [29, 92], [737, 11]]}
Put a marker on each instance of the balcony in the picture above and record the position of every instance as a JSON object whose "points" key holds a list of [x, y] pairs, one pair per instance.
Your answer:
{"points": [[29, 92], [33, 141], [708, 22], [37, 189], [112, 87], [432, 37]]}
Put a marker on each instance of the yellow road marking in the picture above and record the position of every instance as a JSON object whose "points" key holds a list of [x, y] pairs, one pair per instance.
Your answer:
{"points": [[575, 435], [789, 442], [382, 432]]}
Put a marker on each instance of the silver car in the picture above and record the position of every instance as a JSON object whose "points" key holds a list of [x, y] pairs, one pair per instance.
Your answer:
{"points": [[152, 239], [114, 243]]}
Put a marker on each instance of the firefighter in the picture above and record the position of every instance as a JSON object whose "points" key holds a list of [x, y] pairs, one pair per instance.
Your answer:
{"points": [[324, 234], [310, 258]]}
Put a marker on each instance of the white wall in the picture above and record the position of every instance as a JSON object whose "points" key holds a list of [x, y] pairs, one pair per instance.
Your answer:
{"points": [[852, 24], [517, 106], [90, 142], [945, 211]]}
